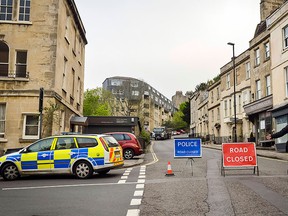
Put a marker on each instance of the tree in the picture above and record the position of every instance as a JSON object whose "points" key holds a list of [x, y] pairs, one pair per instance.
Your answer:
{"points": [[178, 121], [98, 102], [185, 109]]}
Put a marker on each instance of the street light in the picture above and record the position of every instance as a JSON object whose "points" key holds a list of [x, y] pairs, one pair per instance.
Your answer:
{"points": [[233, 59]]}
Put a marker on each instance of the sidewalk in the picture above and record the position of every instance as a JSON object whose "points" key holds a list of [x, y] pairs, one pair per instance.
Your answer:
{"points": [[261, 151]]}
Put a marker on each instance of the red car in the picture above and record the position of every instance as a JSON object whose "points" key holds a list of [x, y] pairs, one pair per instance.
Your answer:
{"points": [[129, 143]]}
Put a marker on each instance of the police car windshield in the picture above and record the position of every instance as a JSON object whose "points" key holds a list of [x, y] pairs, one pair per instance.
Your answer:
{"points": [[111, 141]]}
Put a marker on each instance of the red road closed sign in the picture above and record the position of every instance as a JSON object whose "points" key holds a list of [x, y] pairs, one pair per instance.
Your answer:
{"points": [[239, 154]]}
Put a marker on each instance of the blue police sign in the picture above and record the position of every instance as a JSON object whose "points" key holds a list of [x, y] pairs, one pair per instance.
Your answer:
{"points": [[187, 148]]}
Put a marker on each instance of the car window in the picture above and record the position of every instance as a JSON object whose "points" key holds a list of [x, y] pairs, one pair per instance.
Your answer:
{"points": [[65, 143], [118, 137], [42, 145], [86, 142], [111, 141], [127, 137]]}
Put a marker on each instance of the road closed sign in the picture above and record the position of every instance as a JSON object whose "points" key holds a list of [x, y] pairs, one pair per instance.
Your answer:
{"points": [[239, 154]]}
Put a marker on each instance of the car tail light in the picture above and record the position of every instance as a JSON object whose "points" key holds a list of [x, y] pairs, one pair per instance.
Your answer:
{"points": [[104, 144]]}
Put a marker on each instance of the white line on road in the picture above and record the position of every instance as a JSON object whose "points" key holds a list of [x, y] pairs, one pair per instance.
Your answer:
{"points": [[63, 186]]}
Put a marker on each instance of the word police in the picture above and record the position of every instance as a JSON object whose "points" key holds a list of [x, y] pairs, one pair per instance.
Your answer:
{"points": [[187, 144]]}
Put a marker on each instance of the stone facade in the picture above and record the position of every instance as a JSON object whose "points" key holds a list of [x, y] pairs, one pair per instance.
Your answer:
{"points": [[45, 49]]}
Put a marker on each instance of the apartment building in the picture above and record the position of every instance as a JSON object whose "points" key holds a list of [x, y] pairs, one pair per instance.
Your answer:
{"points": [[277, 25], [231, 100], [42, 45], [214, 113], [137, 98]]}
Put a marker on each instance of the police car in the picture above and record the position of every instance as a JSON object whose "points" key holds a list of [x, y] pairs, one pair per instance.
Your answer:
{"points": [[80, 155]]}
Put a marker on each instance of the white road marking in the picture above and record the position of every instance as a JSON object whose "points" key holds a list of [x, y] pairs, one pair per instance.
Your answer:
{"points": [[138, 193], [121, 181], [139, 186], [63, 186], [141, 181], [135, 202], [133, 212]]}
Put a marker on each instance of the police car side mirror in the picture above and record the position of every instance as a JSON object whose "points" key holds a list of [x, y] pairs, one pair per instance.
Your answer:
{"points": [[24, 151]]}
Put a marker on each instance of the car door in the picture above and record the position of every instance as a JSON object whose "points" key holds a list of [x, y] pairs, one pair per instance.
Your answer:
{"points": [[37, 157], [64, 150]]}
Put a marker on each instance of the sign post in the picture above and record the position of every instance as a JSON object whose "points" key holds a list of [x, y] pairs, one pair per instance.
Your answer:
{"points": [[187, 148], [239, 155]]}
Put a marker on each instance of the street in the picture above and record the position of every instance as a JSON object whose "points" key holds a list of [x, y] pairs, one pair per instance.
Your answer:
{"points": [[196, 188]]}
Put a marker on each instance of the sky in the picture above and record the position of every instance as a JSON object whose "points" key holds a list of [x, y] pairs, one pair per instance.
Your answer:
{"points": [[173, 45]]}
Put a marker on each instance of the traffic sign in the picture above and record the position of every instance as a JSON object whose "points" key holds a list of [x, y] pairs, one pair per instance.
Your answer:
{"points": [[239, 154], [187, 148]]}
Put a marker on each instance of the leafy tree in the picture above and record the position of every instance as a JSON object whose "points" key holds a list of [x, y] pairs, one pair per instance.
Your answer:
{"points": [[185, 109], [178, 121], [97, 102]]}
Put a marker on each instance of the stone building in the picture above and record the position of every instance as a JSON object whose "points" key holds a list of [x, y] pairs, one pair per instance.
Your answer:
{"points": [[277, 25], [42, 45], [214, 114], [137, 98], [242, 96], [179, 98]]}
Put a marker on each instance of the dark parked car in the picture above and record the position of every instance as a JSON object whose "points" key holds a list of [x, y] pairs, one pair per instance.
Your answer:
{"points": [[129, 143]]}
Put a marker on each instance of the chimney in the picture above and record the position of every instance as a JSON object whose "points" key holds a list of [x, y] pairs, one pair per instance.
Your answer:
{"points": [[267, 7]]}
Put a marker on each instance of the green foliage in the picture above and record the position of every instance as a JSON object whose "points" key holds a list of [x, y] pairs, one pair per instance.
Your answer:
{"points": [[97, 102], [178, 121], [185, 109], [145, 136]]}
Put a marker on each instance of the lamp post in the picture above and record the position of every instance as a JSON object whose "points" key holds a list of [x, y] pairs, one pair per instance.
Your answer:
{"points": [[234, 73]]}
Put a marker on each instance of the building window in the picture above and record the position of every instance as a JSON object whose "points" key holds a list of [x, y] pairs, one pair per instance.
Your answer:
{"points": [[8, 13], [225, 108], [2, 120], [218, 93], [286, 78], [212, 97], [228, 81], [268, 85], [267, 50], [212, 115], [218, 113], [258, 90], [115, 82], [64, 81], [257, 57], [248, 70], [134, 84], [6, 9], [285, 36], [24, 10], [136, 93], [4, 59], [21, 64], [73, 83], [31, 126]]}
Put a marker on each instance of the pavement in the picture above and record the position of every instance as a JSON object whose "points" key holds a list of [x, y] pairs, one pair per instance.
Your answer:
{"points": [[269, 152]]}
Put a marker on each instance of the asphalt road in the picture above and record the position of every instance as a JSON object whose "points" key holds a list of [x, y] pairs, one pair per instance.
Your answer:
{"points": [[199, 188]]}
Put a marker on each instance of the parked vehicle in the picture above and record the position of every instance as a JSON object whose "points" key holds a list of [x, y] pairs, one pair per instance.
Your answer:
{"points": [[80, 155], [129, 143], [161, 133]]}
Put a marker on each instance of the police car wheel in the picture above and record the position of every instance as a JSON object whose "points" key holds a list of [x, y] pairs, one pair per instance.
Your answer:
{"points": [[128, 154], [83, 170], [10, 172]]}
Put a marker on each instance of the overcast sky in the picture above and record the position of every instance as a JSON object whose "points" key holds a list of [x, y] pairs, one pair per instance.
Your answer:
{"points": [[173, 45]]}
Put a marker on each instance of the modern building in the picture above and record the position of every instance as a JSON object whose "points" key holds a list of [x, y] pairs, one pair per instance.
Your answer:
{"points": [[137, 98], [42, 45]]}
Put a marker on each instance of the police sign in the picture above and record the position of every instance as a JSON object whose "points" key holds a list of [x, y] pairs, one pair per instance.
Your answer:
{"points": [[187, 148]]}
